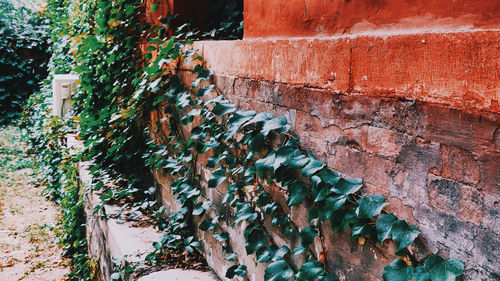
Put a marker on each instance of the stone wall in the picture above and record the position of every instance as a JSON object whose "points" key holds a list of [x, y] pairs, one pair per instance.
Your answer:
{"points": [[438, 168], [414, 112]]}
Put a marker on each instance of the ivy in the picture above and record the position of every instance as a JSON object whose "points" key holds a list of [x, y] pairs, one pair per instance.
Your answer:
{"points": [[435, 269], [136, 115], [278, 271], [438, 269]]}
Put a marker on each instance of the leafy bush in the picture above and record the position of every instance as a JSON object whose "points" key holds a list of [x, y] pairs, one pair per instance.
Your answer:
{"points": [[23, 63]]}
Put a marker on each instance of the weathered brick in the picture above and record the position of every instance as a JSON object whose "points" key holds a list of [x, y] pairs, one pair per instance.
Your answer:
{"points": [[355, 163], [459, 165]]}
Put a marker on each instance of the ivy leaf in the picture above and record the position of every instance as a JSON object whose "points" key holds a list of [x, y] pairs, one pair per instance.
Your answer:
{"points": [[310, 271], [201, 207], [421, 274], [264, 254], [438, 269], [384, 227], [282, 156], [297, 192], [236, 270], [218, 176], [221, 237], [298, 161], [280, 253], [370, 206], [264, 165], [231, 257], [223, 108], [307, 235], [358, 230], [259, 118], [299, 250], [398, 270], [330, 177], [278, 271], [203, 91], [229, 196], [213, 161], [254, 237], [331, 205], [245, 212], [403, 234], [237, 119], [208, 224], [312, 167], [278, 124], [347, 186]]}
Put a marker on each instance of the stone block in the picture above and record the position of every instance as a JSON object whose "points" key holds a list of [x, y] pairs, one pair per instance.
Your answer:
{"points": [[179, 275]]}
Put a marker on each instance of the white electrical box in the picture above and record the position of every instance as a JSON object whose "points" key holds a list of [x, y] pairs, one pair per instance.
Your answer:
{"points": [[63, 86]]}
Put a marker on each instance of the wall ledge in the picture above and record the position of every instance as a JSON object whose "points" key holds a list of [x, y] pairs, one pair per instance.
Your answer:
{"points": [[458, 70]]}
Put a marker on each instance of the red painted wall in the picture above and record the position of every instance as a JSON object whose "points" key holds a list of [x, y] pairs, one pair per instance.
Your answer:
{"points": [[299, 18]]}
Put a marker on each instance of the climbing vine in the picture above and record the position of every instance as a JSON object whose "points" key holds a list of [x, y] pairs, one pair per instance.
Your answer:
{"points": [[137, 113]]}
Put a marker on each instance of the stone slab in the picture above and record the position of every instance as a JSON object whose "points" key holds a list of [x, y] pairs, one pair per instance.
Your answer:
{"points": [[179, 275]]}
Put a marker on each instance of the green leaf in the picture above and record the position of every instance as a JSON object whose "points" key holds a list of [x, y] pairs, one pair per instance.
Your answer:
{"points": [[347, 186], [421, 274], [328, 176], [232, 257], [236, 270], [358, 230], [245, 212], [331, 205], [297, 192], [299, 250], [237, 119], [201, 207], [312, 167], [264, 254], [208, 224], [398, 270], [218, 176], [259, 118], [298, 161], [384, 227], [153, 7], [278, 124], [254, 237], [320, 192], [370, 206], [403, 234], [223, 108], [280, 253], [439, 269], [310, 271], [278, 271], [203, 91], [307, 235], [221, 237], [264, 165]]}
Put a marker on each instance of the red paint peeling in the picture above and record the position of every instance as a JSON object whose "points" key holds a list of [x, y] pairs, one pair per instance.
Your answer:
{"points": [[300, 18]]}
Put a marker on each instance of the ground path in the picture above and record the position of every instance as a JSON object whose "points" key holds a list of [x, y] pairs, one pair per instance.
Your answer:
{"points": [[28, 221]]}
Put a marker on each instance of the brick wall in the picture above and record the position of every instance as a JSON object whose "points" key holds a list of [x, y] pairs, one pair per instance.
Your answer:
{"points": [[413, 113]]}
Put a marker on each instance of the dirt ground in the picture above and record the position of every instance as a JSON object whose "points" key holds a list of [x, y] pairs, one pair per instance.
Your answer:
{"points": [[28, 221]]}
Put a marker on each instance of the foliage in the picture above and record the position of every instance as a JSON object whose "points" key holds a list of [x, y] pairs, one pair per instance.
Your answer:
{"points": [[23, 45], [135, 112], [57, 166]]}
